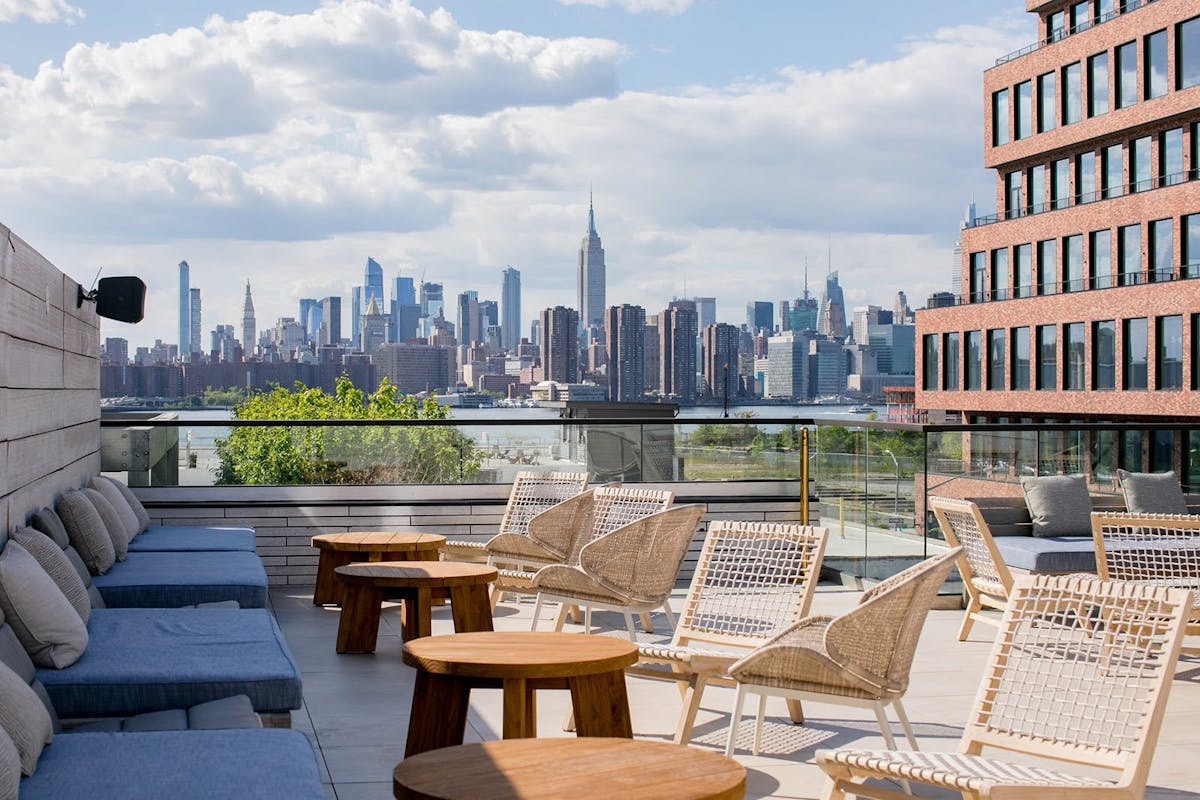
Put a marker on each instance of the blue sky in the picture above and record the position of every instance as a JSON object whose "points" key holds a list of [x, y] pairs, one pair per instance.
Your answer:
{"points": [[728, 144]]}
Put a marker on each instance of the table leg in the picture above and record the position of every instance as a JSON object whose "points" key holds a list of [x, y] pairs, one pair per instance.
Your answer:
{"points": [[439, 712], [327, 589], [358, 627], [520, 709], [471, 608], [601, 704], [417, 618]]}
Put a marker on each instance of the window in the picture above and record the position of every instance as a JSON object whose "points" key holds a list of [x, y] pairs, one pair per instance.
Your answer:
{"points": [[1012, 194], [1085, 177], [978, 276], [1024, 110], [1100, 259], [1162, 251], [1134, 354], [1168, 362], [974, 359], [1125, 73], [1072, 101], [950, 363], [1047, 108], [1047, 267], [1023, 269], [1187, 53], [1000, 117], [1104, 354], [995, 376], [1162, 450], [929, 362], [1112, 174], [1056, 26], [1194, 172], [1129, 253], [1047, 346], [1196, 357], [1020, 359], [1139, 164], [1131, 450], [1098, 85], [1073, 264], [1073, 374], [1155, 69], [998, 284], [1170, 157], [1060, 183], [1036, 192], [1107, 10], [1191, 246], [1081, 16]]}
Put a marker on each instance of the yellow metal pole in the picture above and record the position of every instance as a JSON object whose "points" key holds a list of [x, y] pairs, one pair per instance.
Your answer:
{"points": [[804, 475], [842, 516]]}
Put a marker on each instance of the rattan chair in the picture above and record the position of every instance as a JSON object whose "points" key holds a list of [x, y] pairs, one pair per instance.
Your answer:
{"points": [[630, 569], [1056, 689], [862, 658], [752, 580], [986, 577]]}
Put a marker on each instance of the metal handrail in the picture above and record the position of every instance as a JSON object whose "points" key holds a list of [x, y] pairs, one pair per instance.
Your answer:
{"points": [[1058, 34]]}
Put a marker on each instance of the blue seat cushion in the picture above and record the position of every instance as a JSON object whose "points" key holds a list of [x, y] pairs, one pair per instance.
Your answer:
{"points": [[141, 660], [181, 765], [170, 580], [1048, 553], [173, 538]]}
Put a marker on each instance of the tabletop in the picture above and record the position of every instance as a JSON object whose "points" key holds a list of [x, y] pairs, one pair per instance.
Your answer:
{"points": [[385, 541], [520, 654], [401, 574]]}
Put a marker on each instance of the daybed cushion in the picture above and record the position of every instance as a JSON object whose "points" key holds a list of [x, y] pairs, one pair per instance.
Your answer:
{"points": [[141, 660], [86, 531], [1059, 505], [129, 520], [175, 538], [54, 561], [1048, 553], [112, 523], [170, 580], [248, 764], [1152, 493], [228, 712], [51, 631], [23, 718]]}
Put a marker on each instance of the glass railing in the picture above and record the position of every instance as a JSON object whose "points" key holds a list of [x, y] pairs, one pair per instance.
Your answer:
{"points": [[1095, 282]]}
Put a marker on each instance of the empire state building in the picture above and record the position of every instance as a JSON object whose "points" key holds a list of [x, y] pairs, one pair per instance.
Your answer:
{"points": [[591, 280]]}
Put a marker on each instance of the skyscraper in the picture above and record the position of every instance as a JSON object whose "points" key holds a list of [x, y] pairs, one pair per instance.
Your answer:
{"points": [[591, 279], [374, 328], [405, 311], [307, 305], [185, 310], [677, 337], [194, 343], [560, 344], [721, 361], [625, 333], [469, 320], [331, 321], [760, 316], [510, 309], [706, 311], [249, 342], [832, 315]]}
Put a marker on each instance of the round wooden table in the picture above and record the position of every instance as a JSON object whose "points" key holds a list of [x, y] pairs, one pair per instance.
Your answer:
{"points": [[520, 663], [580, 769], [364, 587], [339, 549]]}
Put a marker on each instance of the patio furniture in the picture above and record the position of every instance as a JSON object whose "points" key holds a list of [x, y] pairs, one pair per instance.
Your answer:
{"points": [[752, 580], [630, 569], [580, 769], [168, 538], [986, 577], [448, 667], [365, 586], [861, 658], [1089, 694], [340, 549]]}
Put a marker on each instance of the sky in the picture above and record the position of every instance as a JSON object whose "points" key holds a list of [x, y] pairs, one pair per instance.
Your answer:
{"points": [[727, 144]]}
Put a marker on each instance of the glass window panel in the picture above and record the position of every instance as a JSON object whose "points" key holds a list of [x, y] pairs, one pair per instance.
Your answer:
{"points": [[1024, 110], [1131, 450], [1104, 354], [1098, 84], [995, 377], [950, 362], [1126, 75], [1012, 194], [1129, 251], [1073, 263], [1168, 367], [1047, 105], [1020, 358], [1170, 157], [1193, 461], [1023, 270], [1107, 10], [1196, 359], [1072, 99], [1073, 340], [1139, 164], [1000, 117], [1056, 25], [1060, 183], [1047, 345], [1191, 246], [974, 359], [1133, 354], [998, 285], [1036, 194], [1100, 259], [1081, 16], [1155, 70], [978, 276], [1112, 173], [1085, 177], [1162, 451], [929, 362], [1047, 267], [1162, 255], [1187, 59]]}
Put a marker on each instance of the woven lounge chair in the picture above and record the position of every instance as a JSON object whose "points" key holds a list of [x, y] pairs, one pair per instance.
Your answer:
{"points": [[752, 580], [1056, 689], [986, 577], [861, 658], [630, 569]]}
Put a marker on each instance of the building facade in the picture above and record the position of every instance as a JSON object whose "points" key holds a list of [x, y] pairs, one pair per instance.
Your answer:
{"points": [[249, 326], [185, 308], [591, 280], [625, 332], [678, 328], [510, 309], [560, 344], [721, 346]]}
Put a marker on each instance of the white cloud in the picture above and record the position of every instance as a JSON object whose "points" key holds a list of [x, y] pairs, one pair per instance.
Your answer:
{"points": [[42, 11], [636, 6]]}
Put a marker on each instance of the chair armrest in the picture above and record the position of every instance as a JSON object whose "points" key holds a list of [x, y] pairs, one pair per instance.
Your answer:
{"points": [[557, 528]]}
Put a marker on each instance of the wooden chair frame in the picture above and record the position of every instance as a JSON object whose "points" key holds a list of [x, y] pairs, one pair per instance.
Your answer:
{"points": [[986, 578]]}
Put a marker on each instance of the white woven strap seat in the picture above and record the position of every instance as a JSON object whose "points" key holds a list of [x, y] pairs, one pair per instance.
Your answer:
{"points": [[682, 654], [952, 770], [462, 550]]}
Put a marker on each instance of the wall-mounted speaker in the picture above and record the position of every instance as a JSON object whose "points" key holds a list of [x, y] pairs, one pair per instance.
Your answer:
{"points": [[122, 298]]}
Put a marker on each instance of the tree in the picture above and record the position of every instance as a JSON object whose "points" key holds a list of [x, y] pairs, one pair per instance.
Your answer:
{"points": [[355, 454]]}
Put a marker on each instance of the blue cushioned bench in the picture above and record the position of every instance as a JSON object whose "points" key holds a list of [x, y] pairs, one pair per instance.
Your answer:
{"points": [[165, 580], [176, 538]]}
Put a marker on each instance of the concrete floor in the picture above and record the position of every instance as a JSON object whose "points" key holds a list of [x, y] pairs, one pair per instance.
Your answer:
{"points": [[356, 706]]}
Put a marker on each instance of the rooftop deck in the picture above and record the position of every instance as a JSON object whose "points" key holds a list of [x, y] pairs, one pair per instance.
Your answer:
{"points": [[356, 706]]}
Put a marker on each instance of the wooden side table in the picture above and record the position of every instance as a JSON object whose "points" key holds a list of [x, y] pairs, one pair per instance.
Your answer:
{"points": [[580, 769], [520, 663], [339, 549], [365, 586]]}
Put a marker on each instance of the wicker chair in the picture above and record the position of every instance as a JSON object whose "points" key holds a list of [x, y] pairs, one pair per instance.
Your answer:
{"points": [[630, 569], [861, 658], [1089, 694], [752, 580], [986, 577]]}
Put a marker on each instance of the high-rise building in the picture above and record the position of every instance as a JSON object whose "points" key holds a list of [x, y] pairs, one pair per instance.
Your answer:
{"points": [[560, 344], [116, 351], [194, 322], [405, 312], [185, 309], [677, 348], [432, 306], [706, 311], [374, 328], [356, 309], [416, 367], [721, 361], [760, 316], [224, 345], [591, 279], [249, 327], [307, 305], [510, 309], [625, 334], [652, 352], [331, 322], [788, 365], [470, 319], [1079, 296], [371, 289], [827, 367], [831, 319]]}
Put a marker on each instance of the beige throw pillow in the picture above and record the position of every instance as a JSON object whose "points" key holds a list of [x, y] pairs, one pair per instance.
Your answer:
{"points": [[87, 533], [50, 630], [112, 523], [58, 566], [23, 718], [107, 487]]}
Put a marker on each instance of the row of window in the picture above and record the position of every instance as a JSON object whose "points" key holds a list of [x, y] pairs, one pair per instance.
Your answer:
{"points": [[1100, 260], [1029, 358], [1112, 83]]}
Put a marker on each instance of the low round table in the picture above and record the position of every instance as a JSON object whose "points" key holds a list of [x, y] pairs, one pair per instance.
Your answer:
{"points": [[339, 549], [580, 769], [520, 663], [364, 587]]}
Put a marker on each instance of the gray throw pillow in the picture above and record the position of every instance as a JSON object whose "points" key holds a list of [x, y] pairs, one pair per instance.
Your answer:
{"points": [[86, 531], [112, 523], [108, 488], [50, 630], [1152, 492], [1059, 505], [24, 719], [56, 564], [49, 523], [10, 767], [139, 510]]}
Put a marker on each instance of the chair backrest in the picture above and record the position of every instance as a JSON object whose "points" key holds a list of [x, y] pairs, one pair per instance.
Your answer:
{"points": [[963, 526], [641, 559], [534, 492], [752, 580], [1080, 672], [616, 506], [1152, 548], [877, 639]]}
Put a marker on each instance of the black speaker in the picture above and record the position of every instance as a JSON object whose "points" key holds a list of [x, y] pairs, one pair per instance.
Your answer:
{"points": [[122, 299]]}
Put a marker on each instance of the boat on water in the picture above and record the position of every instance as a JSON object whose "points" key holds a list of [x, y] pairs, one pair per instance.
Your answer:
{"points": [[863, 409]]}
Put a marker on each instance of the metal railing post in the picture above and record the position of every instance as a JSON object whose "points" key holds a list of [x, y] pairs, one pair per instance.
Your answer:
{"points": [[804, 474]]}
